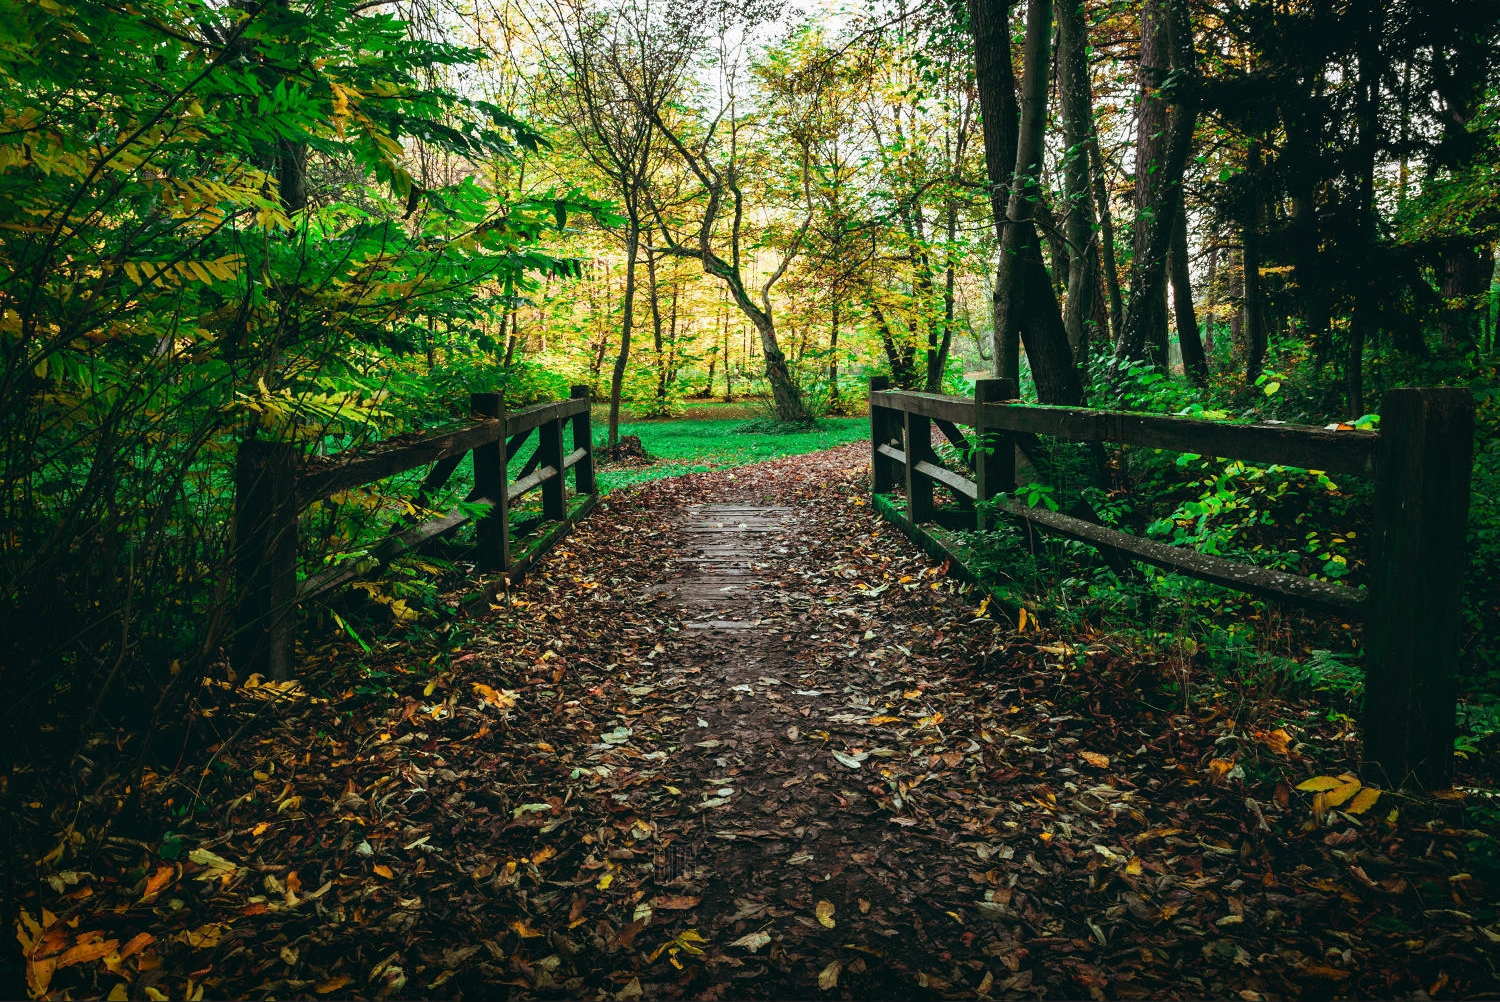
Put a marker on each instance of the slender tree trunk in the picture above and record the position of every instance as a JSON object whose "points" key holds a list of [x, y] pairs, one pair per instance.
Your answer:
{"points": [[1193, 362], [656, 328], [1078, 124], [1255, 313], [1211, 291], [833, 351], [1151, 181], [1145, 316], [989, 23], [627, 320], [1107, 254]]}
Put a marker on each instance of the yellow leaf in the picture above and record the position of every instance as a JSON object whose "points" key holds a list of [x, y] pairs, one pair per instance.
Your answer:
{"points": [[1333, 798], [119, 993], [828, 977], [494, 697], [156, 994], [1095, 759], [824, 912], [1021, 622], [429, 688], [383, 871], [83, 953], [1364, 800], [333, 984], [1320, 783], [884, 718]]}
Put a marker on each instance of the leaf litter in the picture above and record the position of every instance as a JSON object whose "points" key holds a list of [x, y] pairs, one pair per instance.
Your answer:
{"points": [[851, 787]]}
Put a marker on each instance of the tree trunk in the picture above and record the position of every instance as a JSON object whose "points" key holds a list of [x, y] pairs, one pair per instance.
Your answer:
{"points": [[1025, 185], [627, 319], [1211, 290], [995, 80], [1107, 254], [1145, 316], [1193, 362], [656, 328], [1255, 312], [1078, 226], [1151, 182], [833, 352]]}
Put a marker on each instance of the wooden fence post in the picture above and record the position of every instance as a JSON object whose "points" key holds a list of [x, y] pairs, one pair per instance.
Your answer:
{"points": [[583, 438], [493, 530], [554, 490], [265, 558], [1417, 558], [995, 458], [883, 468], [918, 448]]}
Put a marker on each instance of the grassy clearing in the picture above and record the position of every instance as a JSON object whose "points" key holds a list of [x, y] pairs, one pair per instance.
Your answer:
{"points": [[696, 445]]}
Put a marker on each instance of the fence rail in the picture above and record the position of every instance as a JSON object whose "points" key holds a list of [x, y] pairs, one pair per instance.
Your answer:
{"points": [[274, 482], [1420, 461]]}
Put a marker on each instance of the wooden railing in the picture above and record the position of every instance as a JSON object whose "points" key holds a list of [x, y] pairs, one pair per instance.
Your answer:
{"points": [[1420, 461], [274, 482]]}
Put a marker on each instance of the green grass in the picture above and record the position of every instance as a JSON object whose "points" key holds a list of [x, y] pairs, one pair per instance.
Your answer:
{"points": [[696, 446]]}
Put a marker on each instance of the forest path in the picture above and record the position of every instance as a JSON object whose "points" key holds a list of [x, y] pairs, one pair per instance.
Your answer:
{"points": [[737, 737]]}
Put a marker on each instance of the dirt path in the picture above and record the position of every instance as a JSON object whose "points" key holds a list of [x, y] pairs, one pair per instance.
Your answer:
{"points": [[738, 738]]}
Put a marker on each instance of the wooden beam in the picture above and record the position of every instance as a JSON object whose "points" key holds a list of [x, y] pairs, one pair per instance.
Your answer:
{"points": [[531, 481], [1282, 444], [1417, 569], [892, 453], [492, 549], [1276, 585], [539, 414], [959, 410], [956, 482], [387, 550], [383, 460], [527, 559]]}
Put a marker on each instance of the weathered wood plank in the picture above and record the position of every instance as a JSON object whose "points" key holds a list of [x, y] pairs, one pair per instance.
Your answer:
{"points": [[891, 453], [537, 415], [1282, 444], [387, 550], [492, 543], [1417, 569], [959, 410], [1276, 585], [265, 558], [572, 459], [531, 481], [549, 538], [382, 461], [959, 483]]}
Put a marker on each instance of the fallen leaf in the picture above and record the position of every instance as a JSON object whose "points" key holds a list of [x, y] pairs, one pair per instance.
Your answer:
{"points": [[381, 870], [1095, 759], [1363, 800], [333, 984], [824, 911], [675, 902], [828, 977], [1319, 783], [752, 941]]}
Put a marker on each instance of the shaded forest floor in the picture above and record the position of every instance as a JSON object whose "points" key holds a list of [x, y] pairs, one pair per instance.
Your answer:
{"points": [[739, 738]]}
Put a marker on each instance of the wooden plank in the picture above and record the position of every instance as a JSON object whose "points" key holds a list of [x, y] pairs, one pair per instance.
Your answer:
{"points": [[883, 430], [892, 453], [381, 461], [555, 532], [1282, 444], [492, 549], [539, 414], [1276, 585], [554, 488], [583, 441], [573, 458], [531, 482], [956, 438], [995, 462], [387, 550], [959, 410], [918, 448], [931, 543], [957, 482], [265, 558], [1417, 566]]}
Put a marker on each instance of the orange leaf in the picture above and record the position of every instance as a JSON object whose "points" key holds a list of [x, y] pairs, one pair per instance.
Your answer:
{"points": [[1095, 759], [161, 878], [1364, 800], [137, 943], [83, 953], [381, 870], [675, 902], [333, 984]]}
